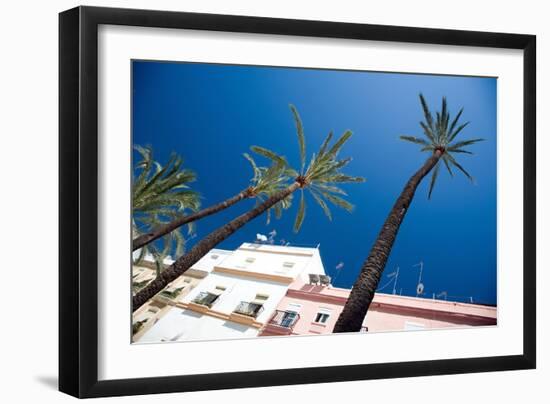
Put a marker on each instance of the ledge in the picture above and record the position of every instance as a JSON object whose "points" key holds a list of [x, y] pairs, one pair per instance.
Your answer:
{"points": [[258, 275], [235, 317]]}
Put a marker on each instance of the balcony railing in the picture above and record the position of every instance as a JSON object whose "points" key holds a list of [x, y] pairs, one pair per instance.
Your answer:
{"points": [[249, 309], [286, 319], [171, 293], [206, 299]]}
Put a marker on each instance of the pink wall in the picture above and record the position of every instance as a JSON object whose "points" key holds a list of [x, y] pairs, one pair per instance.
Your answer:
{"points": [[387, 312], [390, 312], [311, 298]]}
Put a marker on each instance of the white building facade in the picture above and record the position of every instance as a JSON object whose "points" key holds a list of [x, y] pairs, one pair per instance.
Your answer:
{"points": [[238, 296]]}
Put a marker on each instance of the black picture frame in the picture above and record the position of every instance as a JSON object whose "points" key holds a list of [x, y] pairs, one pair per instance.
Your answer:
{"points": [[78, 196]]}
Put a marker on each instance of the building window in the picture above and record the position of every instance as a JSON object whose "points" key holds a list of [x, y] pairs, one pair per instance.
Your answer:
{"points": [[321, 318], [171, 292], [289, 318], [291, 315], [288, 264], [206, 299], [260, 298], [250, 260], [322, 315], [214, 256]]}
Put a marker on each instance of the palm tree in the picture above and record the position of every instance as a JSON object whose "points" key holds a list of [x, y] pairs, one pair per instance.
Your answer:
{"points": [[173, 244], [320, 177], [160, 193], [264, 183], [439, 141]]}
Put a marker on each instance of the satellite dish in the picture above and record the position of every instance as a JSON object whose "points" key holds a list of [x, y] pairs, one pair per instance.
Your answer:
{"points": [[420, 289], [314, 279]]}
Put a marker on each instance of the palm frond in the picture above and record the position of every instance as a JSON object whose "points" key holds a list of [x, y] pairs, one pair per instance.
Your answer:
{"points": [[340, 142], [457, 131], [321, 203], [269, 154], [255, 168], [460, 151], [444, 115], [446, 162], [342, 179], [179, 241], [464, 143], [455, 121], [325, 144], [435, 174], [428, 132], [340, 202], [414, 139], [301, 214], [457, 165], [427, 114], [329, 188], [301, 136]]}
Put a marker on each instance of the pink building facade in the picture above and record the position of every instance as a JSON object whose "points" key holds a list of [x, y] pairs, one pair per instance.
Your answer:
{"points": [[314, 309]]}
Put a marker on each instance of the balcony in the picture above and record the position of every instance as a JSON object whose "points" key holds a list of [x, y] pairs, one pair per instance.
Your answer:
{"points": [[249, 309], [171, 293], [285, 319], [281, 323], [205, 299]]}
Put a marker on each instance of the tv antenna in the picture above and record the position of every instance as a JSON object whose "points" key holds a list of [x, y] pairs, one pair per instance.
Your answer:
{"points": [[338, 268], [442, 294], [394, 275], [419, 285]]}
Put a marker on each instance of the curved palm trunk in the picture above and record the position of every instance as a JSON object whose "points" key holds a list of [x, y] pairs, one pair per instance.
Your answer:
{"points": [[183, 263], [362, 293], [160, 231]]}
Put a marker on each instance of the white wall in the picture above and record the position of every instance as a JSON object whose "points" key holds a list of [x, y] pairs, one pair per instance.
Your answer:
{"points": [[270, 260], [181, 325], [210, 260], [28, 128], [187, 325], [238, 289]]}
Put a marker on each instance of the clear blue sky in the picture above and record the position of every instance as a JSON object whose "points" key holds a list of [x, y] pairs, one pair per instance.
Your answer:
{"points": [[211, 114]]}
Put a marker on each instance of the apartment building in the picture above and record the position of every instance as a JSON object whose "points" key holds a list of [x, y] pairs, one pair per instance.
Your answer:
{"points": [[313, 307], [239, 296], [150, 313]]}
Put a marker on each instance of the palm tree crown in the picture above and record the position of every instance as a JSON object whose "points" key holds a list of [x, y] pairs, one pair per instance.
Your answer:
{"points": [[320, 175], [159, 194], [266, 181], [159, 189], [439, 137]]}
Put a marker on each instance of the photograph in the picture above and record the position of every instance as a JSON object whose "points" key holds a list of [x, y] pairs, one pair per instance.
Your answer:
{"points": [[274, 201]]}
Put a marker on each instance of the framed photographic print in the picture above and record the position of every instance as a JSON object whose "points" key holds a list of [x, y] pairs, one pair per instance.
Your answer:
{"points": [[251, 201]]}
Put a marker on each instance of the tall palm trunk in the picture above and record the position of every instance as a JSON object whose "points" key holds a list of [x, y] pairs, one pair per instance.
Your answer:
{"points": [[160, 231], [183, 263], [362, 293]]}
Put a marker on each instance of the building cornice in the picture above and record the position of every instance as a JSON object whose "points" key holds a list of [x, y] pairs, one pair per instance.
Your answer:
{"points": [[316, 296], [253, 274], [278, 252], [234, 317]]}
